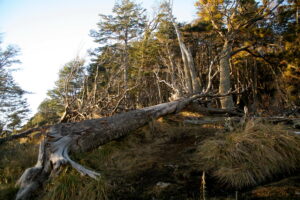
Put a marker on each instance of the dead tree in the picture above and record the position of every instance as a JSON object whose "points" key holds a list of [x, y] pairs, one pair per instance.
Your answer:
{"points": [[191, 79], [65, 138]]}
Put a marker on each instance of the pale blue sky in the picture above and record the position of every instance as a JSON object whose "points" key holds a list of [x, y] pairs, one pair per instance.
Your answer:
{"points": [[52, 32]]}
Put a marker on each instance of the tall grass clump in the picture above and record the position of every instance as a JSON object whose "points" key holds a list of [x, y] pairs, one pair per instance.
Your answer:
{"points": [[251, 156], [69, 185]]}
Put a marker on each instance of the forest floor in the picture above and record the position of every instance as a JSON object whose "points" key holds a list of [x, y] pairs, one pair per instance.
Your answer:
{"points": [[157, 162]]}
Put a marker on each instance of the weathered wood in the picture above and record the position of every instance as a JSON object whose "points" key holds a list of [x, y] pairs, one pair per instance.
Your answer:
{"points": [[86, 135], [192, 80], [22, 134]]}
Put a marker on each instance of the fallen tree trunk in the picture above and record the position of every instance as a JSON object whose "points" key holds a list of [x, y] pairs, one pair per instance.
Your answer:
{"points": [[22, 134], [86, 135], [213, 111], [211, 120]]}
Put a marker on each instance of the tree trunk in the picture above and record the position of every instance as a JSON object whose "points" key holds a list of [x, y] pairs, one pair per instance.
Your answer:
{"points": [[192, 80], [224, 87], [195, 79], [87, 135], [126, 68]]}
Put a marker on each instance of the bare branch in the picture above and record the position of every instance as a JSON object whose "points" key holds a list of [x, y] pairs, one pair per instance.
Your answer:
{"points": [[23, 134]]}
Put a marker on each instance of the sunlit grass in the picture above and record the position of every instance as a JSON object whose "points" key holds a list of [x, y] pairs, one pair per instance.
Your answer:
{"points": [[251, 156], [70, 185]]}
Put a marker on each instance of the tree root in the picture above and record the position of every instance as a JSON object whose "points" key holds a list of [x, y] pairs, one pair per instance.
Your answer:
{"points": [[53, 154]]}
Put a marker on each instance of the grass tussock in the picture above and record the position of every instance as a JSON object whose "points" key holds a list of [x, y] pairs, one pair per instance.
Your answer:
{"points": [[250, 156], [69, 185]]}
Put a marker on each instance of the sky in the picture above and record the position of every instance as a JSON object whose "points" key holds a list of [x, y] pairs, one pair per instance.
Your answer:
{"points": [[51, 33]]}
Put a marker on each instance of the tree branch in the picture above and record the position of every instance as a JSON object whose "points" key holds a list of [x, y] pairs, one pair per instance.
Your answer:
{"points": [[23, 134]]}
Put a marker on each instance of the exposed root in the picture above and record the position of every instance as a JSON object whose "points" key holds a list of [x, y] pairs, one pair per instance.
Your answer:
{"points": [[60, 156], [53, 155], [32, 177], [81, 169]]}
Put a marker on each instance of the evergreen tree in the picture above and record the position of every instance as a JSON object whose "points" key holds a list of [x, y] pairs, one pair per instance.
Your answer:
{"points": [[13, 106], [126, 24]]}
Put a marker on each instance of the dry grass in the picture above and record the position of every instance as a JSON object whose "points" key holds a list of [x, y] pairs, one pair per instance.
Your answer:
{"points": [[277, 192], [190, 114], [69, 185], [131, 167], [14, 159], [251, 156]]}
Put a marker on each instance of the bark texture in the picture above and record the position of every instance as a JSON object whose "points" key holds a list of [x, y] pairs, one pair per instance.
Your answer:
{"points": [[191, 79], [62, 139], [224, 87]]}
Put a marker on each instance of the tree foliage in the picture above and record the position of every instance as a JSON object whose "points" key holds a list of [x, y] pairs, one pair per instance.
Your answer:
{"points": [[233, 45], [13, 106]]}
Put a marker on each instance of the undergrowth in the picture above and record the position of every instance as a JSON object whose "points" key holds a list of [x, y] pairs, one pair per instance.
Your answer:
{"points": [[14, 159], [135, 167], [157, 162], [70, 185], [251, 156]]}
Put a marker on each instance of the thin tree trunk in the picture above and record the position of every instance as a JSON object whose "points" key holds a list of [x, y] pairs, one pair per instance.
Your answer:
{"points": [[192, 79], [195, 79], [255, 101], [173, 72], [224, 87], [126, 63]]}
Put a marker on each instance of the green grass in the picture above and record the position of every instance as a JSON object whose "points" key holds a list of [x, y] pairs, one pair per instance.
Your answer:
{"points": [[251, 156]]}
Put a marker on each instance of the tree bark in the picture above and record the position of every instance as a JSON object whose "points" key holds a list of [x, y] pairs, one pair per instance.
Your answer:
{"points": [[87, 135], [213, 111], [224, 87], [192, 80]]}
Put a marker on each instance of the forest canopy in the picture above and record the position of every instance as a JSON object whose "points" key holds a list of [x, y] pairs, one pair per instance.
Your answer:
{"points": [[250, 46]]}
